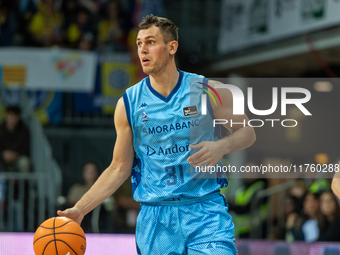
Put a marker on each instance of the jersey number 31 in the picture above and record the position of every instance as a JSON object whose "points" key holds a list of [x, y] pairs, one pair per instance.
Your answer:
{"points": [[174, 174]]}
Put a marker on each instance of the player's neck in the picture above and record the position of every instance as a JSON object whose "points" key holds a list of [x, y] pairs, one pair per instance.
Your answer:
{"points": [[164, 82]]}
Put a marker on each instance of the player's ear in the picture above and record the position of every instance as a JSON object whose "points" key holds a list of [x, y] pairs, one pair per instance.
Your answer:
{"points": [[172, 47]]}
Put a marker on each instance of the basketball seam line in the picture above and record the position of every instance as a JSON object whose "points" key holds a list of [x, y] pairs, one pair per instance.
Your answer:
{"points": [[64, 233], [56, 248], [56, 227], [66, 244], [46, 246]]}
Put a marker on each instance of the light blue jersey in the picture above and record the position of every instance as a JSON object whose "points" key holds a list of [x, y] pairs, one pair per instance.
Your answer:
{"points": [[163, 128]]}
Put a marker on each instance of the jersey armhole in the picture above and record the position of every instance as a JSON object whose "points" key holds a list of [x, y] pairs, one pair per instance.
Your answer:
{"points": [[127, 108]]}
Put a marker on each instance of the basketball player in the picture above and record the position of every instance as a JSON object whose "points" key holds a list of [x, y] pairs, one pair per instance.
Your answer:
{"points": [[161, 137]]}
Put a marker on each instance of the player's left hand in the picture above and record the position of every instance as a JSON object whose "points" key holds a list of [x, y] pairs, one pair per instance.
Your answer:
{"points": [[210, 153]]}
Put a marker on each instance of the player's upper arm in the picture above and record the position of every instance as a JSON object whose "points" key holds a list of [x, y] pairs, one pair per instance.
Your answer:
{"points": [[225, 111], [123, 153]]}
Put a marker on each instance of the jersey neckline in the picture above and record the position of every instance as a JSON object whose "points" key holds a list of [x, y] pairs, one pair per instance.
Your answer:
{"points": [[172, 93]]}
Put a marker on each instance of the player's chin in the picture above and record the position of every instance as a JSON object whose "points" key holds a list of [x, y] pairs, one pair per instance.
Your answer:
{"points": [[147, 70]]}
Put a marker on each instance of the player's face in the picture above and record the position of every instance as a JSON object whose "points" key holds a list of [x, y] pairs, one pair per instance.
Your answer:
{"points": [[152, 51]]}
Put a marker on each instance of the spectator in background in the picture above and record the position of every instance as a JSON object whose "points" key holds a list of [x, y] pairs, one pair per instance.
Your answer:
{"points": [[299, 190], [69, 9], [85, 42], [329, 208], [80, 29], [291, 213], [14, 142], [112, 35], [46, 25], [14, 157], [26, 10], [307, 226], [311, 225], [290, 206], [7, 24], [90, 173]]}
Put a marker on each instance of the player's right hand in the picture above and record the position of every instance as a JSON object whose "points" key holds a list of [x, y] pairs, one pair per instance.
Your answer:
{"points": [[72, 213]]}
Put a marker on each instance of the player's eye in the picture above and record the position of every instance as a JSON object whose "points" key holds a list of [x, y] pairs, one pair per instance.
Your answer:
{"points": [[151, 42], [139, 44]]}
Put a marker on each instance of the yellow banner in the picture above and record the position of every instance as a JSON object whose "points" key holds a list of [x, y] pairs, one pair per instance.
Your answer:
{"points": [[13, 75], [116, 78]]}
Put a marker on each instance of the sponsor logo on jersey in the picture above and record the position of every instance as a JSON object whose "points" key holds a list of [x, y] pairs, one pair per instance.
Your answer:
{"points": [[145, 118], [190, 111], [166, 151], [170, 127], [143, 105], [150, 151]]}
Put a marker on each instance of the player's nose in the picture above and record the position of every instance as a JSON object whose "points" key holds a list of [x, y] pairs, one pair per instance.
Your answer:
{"points": [[143, 48]]}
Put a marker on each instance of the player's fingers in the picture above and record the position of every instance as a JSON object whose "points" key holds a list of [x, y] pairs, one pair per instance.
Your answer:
{"points": [[199, 158], [195, 157], [196, 146], [202, 163], [61, 213], [72, 214], [67, 213]]}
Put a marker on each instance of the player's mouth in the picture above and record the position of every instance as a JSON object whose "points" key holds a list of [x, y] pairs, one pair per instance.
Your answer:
{"points": [[145, 61]]}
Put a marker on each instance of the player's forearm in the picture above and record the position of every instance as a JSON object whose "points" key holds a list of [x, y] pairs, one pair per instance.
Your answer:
{"points": [[239, 140], [108, 182]]}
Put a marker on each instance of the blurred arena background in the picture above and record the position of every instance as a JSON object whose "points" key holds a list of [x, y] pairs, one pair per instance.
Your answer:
{"points": [[65, 63]]}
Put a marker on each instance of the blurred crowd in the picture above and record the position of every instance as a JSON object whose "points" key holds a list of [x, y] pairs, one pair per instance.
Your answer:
{"points": [[101, 25], [312, 215], [311, 211]]}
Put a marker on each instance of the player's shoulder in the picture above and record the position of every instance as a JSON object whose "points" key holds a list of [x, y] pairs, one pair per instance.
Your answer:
{"points": [[222, 91], [213, 85], [189, 79], [137, 87], [213, 82], [188, 75]]}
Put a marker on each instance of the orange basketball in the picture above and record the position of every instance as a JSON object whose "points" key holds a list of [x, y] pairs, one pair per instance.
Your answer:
{"points": [[59, 236]]}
